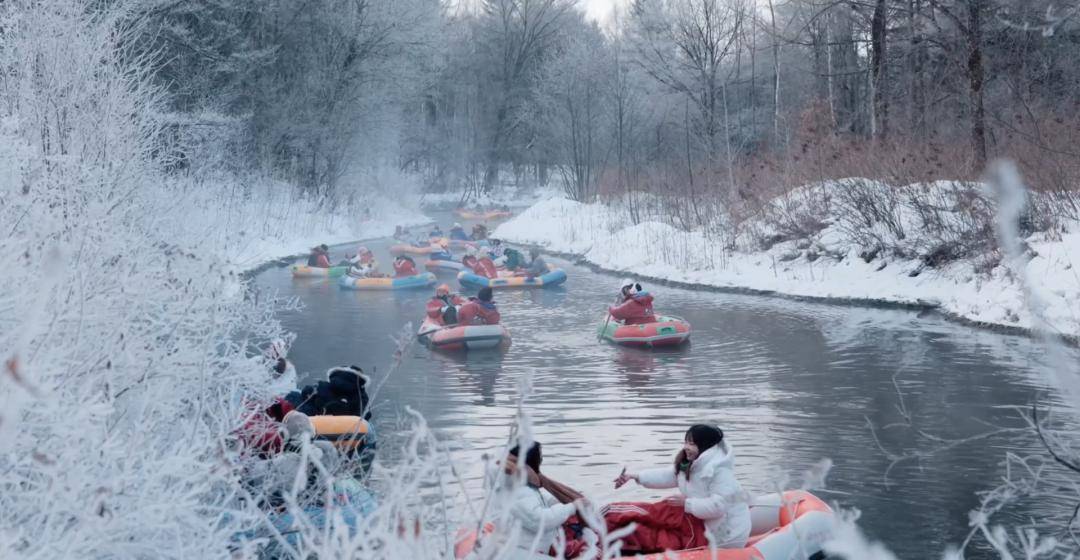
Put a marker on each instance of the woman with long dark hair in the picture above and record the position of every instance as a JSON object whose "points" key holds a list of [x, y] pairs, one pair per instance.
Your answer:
{"points": [[710, 496]]}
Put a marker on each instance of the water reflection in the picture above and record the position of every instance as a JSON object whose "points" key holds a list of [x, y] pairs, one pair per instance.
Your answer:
{"points": [[479, 371]]}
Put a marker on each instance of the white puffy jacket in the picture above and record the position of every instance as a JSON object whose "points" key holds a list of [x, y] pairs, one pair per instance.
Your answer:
{"points": [[540, 516], [713, 494]]}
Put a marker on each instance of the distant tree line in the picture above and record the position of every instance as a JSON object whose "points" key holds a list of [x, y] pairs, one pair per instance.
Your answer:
{"points": [[719, 100]]}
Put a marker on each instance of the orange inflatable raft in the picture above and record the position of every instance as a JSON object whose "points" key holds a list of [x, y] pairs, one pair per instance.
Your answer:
{"points": [[666, 331], [791, 526], [406, 249], [483, 215]]}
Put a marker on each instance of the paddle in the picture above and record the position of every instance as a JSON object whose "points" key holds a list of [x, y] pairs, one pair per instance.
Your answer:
{"points": [[600, 335]]}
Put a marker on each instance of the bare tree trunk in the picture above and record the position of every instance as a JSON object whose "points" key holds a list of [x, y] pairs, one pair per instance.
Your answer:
{"points": [[879, 119], [916, 86], [830, 89], [776, 71], [975, 79], [753, 79]]}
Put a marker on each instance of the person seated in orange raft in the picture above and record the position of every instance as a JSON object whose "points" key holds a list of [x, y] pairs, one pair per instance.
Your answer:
{"points": [[634, 306], [480, 310], [443, 306], [404, 266]]}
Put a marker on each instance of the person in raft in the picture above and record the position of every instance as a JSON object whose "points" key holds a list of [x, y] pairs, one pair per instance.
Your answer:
{"points": [[537, 265], [458, 233], [439, 253], [539, 505], [634, 306], [282, 371], [479, 310], [514, 259], [404, 266], [495, 249], [436, 231], [443, 306], [319, 257], [363, 265], [479, 232], [710, 497]]}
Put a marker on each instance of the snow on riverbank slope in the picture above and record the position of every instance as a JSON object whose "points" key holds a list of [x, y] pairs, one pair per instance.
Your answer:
{"points": [[604, 236], [248, 224]]}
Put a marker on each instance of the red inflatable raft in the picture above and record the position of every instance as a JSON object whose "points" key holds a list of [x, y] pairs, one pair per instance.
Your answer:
{"points": [[666, 331]]}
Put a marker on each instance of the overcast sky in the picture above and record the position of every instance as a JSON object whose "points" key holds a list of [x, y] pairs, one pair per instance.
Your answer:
{"points": [[600, 10]]}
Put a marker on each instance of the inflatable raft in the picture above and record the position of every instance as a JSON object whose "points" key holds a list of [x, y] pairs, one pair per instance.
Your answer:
{"points": [[666, 331], [304, 271], [553, 277], [443, 265], [422, 280], [406, 249], [462, 337], [488, 215], [791, 526], [462, 243], [349, 434]]}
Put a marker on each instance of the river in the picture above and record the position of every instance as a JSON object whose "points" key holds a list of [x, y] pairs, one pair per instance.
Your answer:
{"points": [[791, 383]]}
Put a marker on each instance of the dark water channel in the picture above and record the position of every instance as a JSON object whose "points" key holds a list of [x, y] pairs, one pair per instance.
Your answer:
{"points": [[791, 383]]}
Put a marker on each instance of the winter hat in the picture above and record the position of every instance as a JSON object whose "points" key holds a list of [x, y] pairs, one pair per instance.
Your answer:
{"points": [[485, 294], [457, 225], [630, 286], [348, 372]]}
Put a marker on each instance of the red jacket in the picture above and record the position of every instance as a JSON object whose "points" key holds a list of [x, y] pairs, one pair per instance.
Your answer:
{"points": [[436, 304], [261, 433], [404, 268], [322, 261], [636, 310], [477, 312], [486, 267]]}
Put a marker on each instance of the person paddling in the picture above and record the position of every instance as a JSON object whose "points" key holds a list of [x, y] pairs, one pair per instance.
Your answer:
{"points": [[634, 306], [539, 517]]}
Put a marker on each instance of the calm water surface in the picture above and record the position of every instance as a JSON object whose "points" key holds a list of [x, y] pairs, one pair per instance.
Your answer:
{"points": [[791, 383]]}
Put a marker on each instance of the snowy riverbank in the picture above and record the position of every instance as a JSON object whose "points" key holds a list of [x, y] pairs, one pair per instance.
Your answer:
{"points": [[829, 265], [259, 221]]}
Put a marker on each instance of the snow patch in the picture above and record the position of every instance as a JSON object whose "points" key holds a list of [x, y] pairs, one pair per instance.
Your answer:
{"points": [[828, 265]]}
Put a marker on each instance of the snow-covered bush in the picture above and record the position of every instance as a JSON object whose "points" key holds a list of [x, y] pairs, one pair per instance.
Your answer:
{"points": [[124, 346]]}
